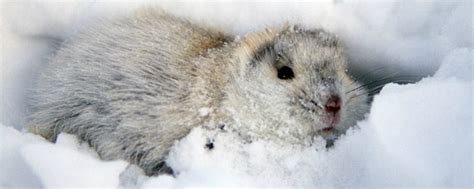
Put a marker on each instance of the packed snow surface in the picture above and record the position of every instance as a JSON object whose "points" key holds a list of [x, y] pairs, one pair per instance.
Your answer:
{"points": [[417, 134]]}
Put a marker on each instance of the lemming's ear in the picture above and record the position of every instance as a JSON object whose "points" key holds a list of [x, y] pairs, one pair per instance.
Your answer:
{"points": [[254, 46], [265, 51]]}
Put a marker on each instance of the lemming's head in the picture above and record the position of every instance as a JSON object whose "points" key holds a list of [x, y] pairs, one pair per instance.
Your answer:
{"points": [[295, 84]]}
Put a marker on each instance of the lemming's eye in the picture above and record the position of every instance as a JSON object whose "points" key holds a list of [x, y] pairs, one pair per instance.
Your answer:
{"points": [[285, 73]]}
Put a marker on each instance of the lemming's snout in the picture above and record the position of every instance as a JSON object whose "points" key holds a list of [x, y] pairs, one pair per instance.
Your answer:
{"points": [[333, 104]]}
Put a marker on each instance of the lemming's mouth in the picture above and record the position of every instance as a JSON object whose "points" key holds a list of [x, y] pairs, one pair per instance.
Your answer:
{"points": [[332, 119], [328, 129]]}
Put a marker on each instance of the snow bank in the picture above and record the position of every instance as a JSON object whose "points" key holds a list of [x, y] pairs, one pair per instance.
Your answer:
{"points": [[415, 135]]}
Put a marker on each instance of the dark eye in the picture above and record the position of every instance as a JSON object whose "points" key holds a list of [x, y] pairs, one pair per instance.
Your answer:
{"points": [[285, 72]]}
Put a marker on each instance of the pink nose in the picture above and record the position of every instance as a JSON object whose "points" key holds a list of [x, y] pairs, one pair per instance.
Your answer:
{"points": [[333, 105]]}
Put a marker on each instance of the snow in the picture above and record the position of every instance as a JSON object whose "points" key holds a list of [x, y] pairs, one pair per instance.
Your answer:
{"points": [[65, 161], [416, 135]]}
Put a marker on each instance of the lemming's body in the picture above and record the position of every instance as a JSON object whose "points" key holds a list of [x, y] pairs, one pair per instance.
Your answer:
{"points": [[132, 86]]}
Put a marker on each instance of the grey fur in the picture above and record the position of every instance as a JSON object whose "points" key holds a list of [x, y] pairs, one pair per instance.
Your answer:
{"points": [[131, 87]]}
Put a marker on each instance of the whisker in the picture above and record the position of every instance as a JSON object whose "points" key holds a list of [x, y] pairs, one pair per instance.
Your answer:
{"points": [[367, 74], [392, 74], [385, 80], [373, 91]]}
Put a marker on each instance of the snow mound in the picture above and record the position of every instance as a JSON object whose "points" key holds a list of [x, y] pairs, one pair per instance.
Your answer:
{"points": [[416, 134]]}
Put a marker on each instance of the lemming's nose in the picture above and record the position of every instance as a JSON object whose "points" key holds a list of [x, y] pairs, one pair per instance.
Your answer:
{"points": [[333, 105]]}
